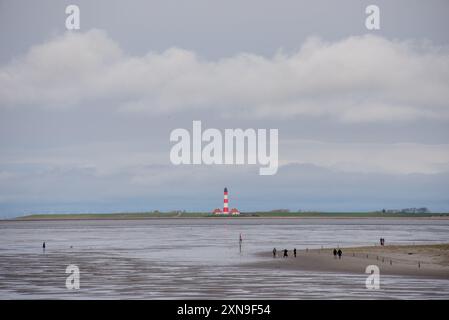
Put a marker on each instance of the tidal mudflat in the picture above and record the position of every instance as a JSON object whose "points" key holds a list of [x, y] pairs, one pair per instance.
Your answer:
{"points": [[202, 258]]}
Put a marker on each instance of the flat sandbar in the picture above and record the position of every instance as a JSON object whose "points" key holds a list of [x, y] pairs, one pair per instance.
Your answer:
{"points": [[429, 261]]}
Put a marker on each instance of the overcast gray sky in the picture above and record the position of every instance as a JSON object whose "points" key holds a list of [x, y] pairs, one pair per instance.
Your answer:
{"points": [[85, 116]]}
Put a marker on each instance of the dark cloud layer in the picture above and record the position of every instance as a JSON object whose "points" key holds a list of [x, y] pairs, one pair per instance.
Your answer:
{"points": [[85, 117]]}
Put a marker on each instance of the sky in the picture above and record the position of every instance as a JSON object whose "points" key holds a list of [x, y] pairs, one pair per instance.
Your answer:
{"points": [[86, 115]]}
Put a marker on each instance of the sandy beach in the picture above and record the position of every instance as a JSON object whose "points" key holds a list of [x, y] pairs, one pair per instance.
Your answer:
{"points": [[430, 261]]}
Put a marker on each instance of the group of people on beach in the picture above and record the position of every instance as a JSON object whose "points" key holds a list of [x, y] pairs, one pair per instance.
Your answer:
{"points": [[337, 253], [285, 253]]}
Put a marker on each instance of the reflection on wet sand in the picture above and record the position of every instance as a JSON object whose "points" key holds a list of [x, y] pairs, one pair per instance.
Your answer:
{"points": [[168, 260]]}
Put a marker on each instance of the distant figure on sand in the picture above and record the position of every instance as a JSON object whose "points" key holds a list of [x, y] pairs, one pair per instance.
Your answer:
{"points": [[339, 253], [43, 246], [294, 252], [274, 252], [240, 238], [335, 253], [285, 253]]}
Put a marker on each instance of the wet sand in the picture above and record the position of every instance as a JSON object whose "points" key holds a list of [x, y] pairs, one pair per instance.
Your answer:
{"points": [[428, 261], [201, 259], [113, 276]]}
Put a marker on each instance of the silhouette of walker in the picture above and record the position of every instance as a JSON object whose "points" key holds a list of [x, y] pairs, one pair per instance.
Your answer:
{"points": [[285, 253], [294, 252], [335, 253], [339, 253], [274, 252]]}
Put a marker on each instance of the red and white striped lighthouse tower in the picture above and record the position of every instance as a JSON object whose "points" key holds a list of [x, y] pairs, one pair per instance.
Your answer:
{"points": [[225, 201]]}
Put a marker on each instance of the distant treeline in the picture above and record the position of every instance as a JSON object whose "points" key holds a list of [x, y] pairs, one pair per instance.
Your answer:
{"points": [[408, 210]]}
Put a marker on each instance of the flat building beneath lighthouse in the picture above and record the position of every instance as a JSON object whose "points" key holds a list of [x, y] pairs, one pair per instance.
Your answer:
{"points": [[235, 211]]}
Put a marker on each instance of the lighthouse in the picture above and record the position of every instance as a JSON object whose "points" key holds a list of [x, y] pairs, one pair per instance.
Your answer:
{"points": [[226, 211], [225, 201]]}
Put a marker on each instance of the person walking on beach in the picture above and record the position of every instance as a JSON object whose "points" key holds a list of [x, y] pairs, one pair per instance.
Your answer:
{"points": [[43, 246], [339, 253], [335, 253], [274, 252], [294, 252], [285, 253]]}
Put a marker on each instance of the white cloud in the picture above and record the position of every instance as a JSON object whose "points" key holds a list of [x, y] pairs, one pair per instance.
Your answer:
{"points": [[107, 159], [391, 158], [357, 79]]}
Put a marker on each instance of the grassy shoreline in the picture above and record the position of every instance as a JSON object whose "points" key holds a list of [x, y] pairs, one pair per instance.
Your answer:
{"points": [[190, 215]]}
